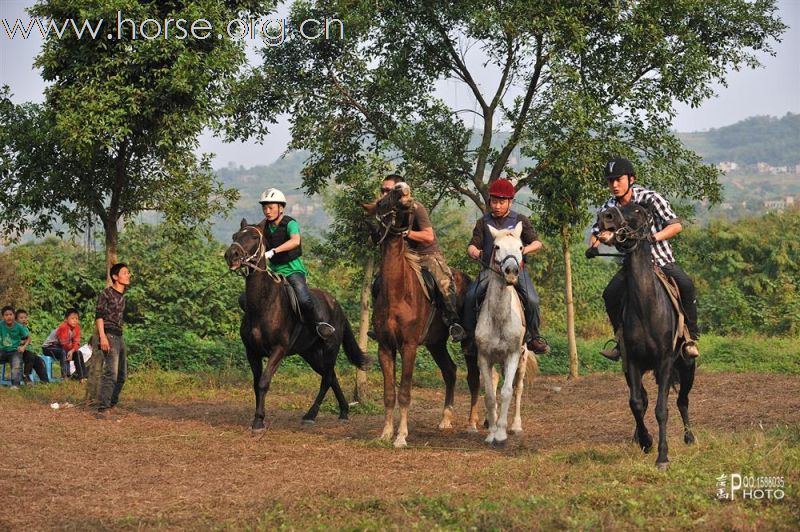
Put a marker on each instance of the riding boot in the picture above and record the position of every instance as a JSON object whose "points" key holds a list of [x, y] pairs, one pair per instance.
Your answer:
{"points": [[451, 317], [613, 352], [472, 301], [324, 329], [309, 306], [376, 285], [530, 305]]}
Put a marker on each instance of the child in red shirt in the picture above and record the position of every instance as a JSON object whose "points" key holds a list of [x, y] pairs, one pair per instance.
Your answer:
{"points": [[64, 342]]}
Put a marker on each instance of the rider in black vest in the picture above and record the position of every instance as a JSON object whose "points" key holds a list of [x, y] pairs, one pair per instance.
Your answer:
{"points": [[282, 238], [481, 247]]}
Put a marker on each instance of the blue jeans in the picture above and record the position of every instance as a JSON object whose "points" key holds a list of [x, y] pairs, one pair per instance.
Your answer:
{"points": [[15, 358]]}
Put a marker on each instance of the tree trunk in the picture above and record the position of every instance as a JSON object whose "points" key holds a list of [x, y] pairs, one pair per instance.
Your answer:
{"points": [[360, 393], [112, 237], [571, 343]]}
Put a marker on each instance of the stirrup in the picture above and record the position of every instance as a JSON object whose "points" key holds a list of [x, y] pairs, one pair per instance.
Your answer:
{"points": [[613, 353], [690, 350], [325, 329], [457, 332]]}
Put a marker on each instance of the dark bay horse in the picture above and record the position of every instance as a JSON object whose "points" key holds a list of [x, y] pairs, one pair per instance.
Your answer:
{"points": [[648, 329], [402, 319], [269, 327]]}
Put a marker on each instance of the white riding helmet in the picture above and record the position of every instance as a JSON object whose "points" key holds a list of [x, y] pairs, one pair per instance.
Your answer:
{"points": [[272, 195]]}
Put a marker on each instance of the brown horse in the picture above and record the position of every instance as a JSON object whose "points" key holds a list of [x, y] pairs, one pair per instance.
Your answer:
{"points": [[269, 327], [404, 319]]}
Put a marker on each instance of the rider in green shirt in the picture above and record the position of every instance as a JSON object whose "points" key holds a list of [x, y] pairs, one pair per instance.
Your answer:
{"points": [[284, 253]]}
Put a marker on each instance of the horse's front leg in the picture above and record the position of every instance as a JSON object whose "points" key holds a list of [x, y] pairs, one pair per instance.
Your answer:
{"points": [[386, 358], [686, 372], [409, 355], [509, 376], [257, 368], [662, 413], [275, 358], [519, 386], [637, 403], [489, 398]]}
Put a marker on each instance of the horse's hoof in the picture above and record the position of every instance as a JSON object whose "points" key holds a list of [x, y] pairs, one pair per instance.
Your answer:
{"points": [[662, 466], [308, 421], [499, 443], [688, 438], [472, 429], [255, 432], [400, 443], [344, 418], [489, 439], [516, 430], [445, 425]]}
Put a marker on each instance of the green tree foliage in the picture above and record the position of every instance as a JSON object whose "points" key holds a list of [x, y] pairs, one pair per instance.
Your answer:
{"points": [[747, 274], [117, 131], [181, 308]]}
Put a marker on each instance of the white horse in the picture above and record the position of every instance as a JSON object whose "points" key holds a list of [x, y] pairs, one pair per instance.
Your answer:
{"points": [[500, 334]]}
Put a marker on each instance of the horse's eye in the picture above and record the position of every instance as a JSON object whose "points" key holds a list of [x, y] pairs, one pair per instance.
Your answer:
{"points": [[497, 247], [520, 248]]}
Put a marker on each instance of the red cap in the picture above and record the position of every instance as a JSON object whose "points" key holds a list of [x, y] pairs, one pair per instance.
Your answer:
{"points": [[502, 188]]}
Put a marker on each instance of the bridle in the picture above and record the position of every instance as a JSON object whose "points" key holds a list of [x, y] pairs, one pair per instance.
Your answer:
{"points": [[626, 233], [250, 262], [390, 227]]}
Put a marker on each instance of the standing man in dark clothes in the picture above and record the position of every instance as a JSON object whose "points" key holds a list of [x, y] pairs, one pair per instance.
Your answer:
{"points": [[481, 247], [108, 325]]}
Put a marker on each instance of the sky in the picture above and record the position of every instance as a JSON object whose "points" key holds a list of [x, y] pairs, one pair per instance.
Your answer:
{"points": [[772, 90]]}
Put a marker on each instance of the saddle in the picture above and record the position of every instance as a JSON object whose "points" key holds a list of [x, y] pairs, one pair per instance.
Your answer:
{"points": [[681, 331]]}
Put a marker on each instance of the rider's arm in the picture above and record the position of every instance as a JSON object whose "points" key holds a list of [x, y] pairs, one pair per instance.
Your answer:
{"points": [[530, 236], [425, 236], [476, 242], [668, 232], [536, 245]]}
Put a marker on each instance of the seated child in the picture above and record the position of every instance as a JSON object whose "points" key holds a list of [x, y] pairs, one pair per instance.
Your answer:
{"points": [[63, 344], [14, 338], [31, 361]]}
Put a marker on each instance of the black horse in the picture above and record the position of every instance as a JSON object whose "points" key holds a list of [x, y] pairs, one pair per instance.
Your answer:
{"points": [[649, 323], [269, 327]]}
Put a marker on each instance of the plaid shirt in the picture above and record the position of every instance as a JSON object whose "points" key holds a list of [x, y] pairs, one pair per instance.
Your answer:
{"points": [[663, 215]]}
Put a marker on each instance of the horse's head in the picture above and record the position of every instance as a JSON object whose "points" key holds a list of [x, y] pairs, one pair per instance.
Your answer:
{"points": [[630, 224], [247, 248], [391, 208], [507, 255]]}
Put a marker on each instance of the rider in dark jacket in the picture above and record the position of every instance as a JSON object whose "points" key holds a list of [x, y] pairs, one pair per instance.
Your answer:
{"points": [[500, 216]]}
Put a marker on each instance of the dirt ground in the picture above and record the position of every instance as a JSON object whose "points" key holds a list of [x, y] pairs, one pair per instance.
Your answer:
{"points": [[190, 464]]}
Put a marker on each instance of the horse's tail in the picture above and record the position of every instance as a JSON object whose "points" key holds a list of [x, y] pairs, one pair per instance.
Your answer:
{"points": [[351, 348], [531, 369]]}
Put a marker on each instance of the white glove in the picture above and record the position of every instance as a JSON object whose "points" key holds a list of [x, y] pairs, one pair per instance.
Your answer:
{"points": [[269, 254]]}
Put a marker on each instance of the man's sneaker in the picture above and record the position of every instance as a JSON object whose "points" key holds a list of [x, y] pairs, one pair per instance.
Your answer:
{"points": [[690, 349], [325, 330], [457, 333], [538, 345], [102, 413], [611, 353]]}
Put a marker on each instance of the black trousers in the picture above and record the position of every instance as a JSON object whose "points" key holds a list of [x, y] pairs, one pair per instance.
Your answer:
{"points": [[615, 292], [32, 362], [527, 293], [308, 306]]}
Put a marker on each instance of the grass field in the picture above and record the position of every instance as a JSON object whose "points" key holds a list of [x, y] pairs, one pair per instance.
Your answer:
{"points": [[179, 455]]}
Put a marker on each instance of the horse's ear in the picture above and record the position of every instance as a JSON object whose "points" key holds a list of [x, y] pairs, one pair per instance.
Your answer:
{"points": [[517, 232], [370, 207], [493, 231], [243, 223]]}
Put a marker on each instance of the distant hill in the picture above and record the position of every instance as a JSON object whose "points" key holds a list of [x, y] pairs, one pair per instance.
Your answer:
{"points": [[775, 141]]}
